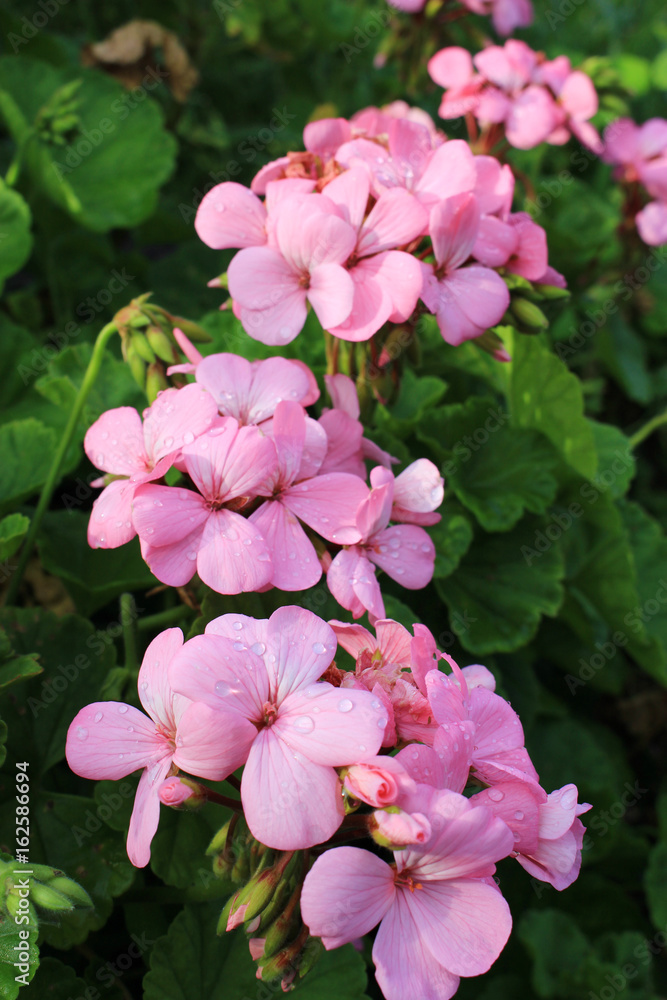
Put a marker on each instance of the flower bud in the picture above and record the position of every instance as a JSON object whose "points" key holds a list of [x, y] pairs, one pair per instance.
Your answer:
{"points": [[310, 955], [284, 926], [175, 792], [528, 315], [378, 782], [48, 898], [142, 347], [71, 890], [284, 962], [155, 382], [397, 829], [164, 347], [551, 292]]}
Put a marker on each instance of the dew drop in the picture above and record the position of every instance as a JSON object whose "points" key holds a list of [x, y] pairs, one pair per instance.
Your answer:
{"points": [[362, 748], [98, 716], [320, 648], [219, 207], [376, 704], [518, 814], [100, 459], [188, 437], [122, 709], [258, 648], [130, 729], [496, 795], [192, 555], [237, 625], [382, 724], [82, 733], [304, 724], [415, 755], [456, 747], [157, 503], [239, 646], [222, 689], [345, 705]]}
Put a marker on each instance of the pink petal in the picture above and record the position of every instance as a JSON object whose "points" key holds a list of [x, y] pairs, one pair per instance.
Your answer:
{"points": [[495, 186], [555, 861], [371, 306], [269, 172], [115, 442], [351, 579], [374, 513], [288, 432], [300, 647], [453, 744], [531, 255], [309, 235], [652, 223], [496, 242], [230, 461], [510, 14], [497, 725], [326, 135], [468, 302], [445, 697], [241, 628], [212, 744], [231, 216], [423, 765], [155, 692], [146, 813], [451, 67], [330, 910], [294, 559], [260, 277], [332, 726], [411, 148], [400, 275], [465, 924], [531, 119], [420, 487], [453, 227], [175, 563], [405, 968], [176, 418], [278, 324], [109, 739], [493, 106], [233, 557], [164, 515], [394, 641], [286, 187], [224, 674], [516, 803], [330, 293], [344, 449], [579, 96], [557, 814], [343, 393], [329, 505], [353, 638], [289, 802], [110, 523], [406, 554], [450, 171], [349, 191], [396, 219]]}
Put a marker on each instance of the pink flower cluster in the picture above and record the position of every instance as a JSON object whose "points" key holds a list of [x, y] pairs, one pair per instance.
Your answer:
{"points": [[255, 469], [379, 213], [251, 693], [506, 15], [535, 99], [639, 153]]}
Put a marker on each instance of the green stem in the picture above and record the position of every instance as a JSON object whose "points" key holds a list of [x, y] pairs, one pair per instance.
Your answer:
{"points": [[14, 170], [647, 429], [128, 618], [54, 472], [158, 621]]}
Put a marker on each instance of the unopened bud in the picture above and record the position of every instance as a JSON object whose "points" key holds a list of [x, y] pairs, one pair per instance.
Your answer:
{"points": [[162, 345], [312, 951], [142, 347], [71, 889], [284, 926], [394, 828], [528, 315], [137, 365], [155, 382], [192, 330], [175, 792], [285, 960], [552, 293], [48, 898]]}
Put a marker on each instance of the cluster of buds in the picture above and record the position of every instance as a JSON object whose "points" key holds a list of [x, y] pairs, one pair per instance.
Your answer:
{"points": [[48, 888]]}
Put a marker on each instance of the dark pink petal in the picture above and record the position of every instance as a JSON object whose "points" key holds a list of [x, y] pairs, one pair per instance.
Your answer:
{"points": [[465, 924], [406, 554], [300, 647], [371, 306], [164, 515], [109, 739], [334, 913], [468, 302], [497, 725], [295, 562], [344, 450], [330, 725], [115, 442], [110, 523], [451, 67], [146, 813], [404, 967], [155, 692], [517, 804], [233, 556], [329, 505], [230, 461], [231, 216], [331, 294], [211, 744], [453, 744], [496, 242], [445, 697], [224, 674], [289, 802]]}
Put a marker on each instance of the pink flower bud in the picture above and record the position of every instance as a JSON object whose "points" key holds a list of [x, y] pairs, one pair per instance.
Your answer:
{"points": [[398, 829], [378, 781], [174, 792]]}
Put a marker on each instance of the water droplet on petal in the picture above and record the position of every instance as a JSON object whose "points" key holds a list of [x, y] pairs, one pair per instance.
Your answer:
{"points": [[496, 795], [81, 732], [99, 459], [222, 689], [188, 437], [122, 709], [382, 723], [98, 716], [130, 729], [319, 648], [258, 648], [345, 705], [304, 724], [239, 646], [518, 815]]}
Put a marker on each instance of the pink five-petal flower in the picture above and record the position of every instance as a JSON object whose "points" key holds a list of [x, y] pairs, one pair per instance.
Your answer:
{"points": [[111, 740], [183, 531], [510, 14], [467, 301], [266, 671], [404, 551], [652, 223], [328, 504], [119, 444], [230, 215], [249, 391], [439, 919], [418, 490], [556, 855], [273, 284]]}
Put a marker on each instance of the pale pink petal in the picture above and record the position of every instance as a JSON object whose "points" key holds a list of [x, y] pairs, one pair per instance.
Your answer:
{"points": [[411, 150], [295, 562], [451, 67], [115, 442], [374, 513], [155, 692], [506, 765], [453, 744], [241, 628], [233, 557], [224, 674], [468, 302], [579, 96], [378, 781], [420, 487], [331, 726], [229, 461], [453, 226], [464, 923], [516, 803], [110, 523], [310, 235], [497, 725], [400, 275], [228, 378], [558, 813], [371, 306], [423, 765], [300, 647], [330, 910], [446, 698], [531, 255], [164, 515], [555, 861], [493, 106], [329, 505], [176, 418], [495, 243], [349, 191], [495, 64], [109, 739], [406, 553], [288, 801], [269, 172], [652, 223], [344, 450], [260, 277], [394, 641], [146, 813], [175, 563], [587, 135], [351, 580], [510, 14], [396, 219], [477, 675], [326, 135], [532, 117], [495, 186], [343, 393], [278, 324], [286, 187], [405, 968], [288, 432], [230, 215], [212, 744], [353, 638], [450, 171], [331, 294]]}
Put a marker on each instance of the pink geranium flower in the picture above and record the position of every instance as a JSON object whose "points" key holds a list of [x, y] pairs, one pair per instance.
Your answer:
{"points": [[326, 503], [264, 675], [440, 916], [109, 739], [271, 285], [249, 391], [183, 531], [133, 453], [556, 858], [404, 551]]}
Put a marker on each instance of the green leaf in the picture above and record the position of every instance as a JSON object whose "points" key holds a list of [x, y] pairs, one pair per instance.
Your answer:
{"points": [[20, 668], [15, 236], [192, 963], [54, 981], [415, 399], [108, 174], [13, 530], [3, 741], [496, 471], [616, 463], [545, 396], [9, 941], [452, 537], [179, 847], [93, 577], [26, 451], [655, 885], [625, 355], [75, 659], [559, 951], [498, 594], [649, 614], [400, 612]]}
